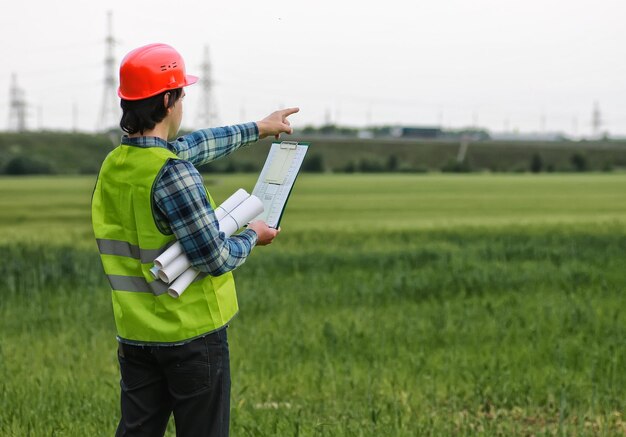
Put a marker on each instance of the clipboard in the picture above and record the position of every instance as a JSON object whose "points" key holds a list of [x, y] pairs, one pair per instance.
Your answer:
{"points": [[277, 179]]}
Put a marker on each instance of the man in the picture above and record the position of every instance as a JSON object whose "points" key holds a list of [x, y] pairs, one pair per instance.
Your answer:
{"points": [[173, 353]]}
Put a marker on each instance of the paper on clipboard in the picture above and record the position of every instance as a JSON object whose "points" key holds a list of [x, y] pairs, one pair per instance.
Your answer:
{"points": [[277, 179]]}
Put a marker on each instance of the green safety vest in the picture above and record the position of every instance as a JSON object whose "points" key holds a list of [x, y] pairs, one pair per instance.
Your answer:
{"points": [[129, 241]]}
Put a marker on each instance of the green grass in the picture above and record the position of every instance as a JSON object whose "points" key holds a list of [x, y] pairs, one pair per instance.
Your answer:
{"points": [[56, 209], [495, 308]]}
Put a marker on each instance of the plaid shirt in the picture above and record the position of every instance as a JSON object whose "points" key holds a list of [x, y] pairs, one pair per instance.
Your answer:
{"points": [[181, 204]]}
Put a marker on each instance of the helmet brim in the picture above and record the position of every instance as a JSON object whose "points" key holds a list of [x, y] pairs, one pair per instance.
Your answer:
{"points": [[190, 79]]}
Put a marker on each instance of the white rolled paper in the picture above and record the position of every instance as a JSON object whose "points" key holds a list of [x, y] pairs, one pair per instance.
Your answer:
{"points": [[247, 210], [254, 208], [173, 267], [231, 203], [173, 270], [228, 225], [169, 255], [181, 283]]}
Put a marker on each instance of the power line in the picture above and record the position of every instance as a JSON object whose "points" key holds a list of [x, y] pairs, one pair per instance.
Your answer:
{"points": [[63, 47], [72, 68]]}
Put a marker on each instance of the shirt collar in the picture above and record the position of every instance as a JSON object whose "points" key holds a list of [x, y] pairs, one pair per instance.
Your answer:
{"points": [[144, 141]]}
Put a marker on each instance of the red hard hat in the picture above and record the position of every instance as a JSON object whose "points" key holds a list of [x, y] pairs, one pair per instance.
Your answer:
{"points": [[150, 70]]}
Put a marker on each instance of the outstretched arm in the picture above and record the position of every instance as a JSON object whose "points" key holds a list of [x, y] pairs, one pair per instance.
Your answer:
{"points": [[207, 145]]}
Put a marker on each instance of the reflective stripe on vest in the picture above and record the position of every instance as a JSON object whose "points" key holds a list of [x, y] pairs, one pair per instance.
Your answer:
{"points": [[124, 248], [135, 283], [140, 285]]}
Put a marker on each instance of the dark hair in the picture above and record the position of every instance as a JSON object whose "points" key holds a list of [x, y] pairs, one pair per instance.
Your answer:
{"points": [[144, 114]]}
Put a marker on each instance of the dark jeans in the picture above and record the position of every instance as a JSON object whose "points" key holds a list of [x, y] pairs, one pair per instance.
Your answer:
{"points": [[191, 380]]}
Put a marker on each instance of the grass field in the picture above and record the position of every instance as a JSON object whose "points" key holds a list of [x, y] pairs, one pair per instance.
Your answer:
{"points": [[391, 305]]}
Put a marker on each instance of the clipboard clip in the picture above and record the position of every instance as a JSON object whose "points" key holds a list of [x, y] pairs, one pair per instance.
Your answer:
{"points": [[289, 145]]}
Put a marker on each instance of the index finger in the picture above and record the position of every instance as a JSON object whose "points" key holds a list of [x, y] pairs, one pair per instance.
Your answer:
{"points": [[287, 112]]}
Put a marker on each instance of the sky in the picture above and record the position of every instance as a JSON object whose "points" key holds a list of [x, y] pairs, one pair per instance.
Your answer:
{"points": [[505, 65]]}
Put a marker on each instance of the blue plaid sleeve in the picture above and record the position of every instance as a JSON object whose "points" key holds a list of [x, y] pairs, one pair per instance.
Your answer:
{"points": [[182, 207], [207, 145]]}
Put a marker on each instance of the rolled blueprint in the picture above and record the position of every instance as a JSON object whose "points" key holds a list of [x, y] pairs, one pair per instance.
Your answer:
{"points": [[229, 225], [173, 270], [231, 203], [235, 219], [175, 250], [169, 255], [234, 213], [181, 283]]}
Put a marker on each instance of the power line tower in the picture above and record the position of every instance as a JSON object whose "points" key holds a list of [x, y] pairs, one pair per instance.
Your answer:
{"points": [[109, 111], [596, 120], [17, 113], [207, 113]]}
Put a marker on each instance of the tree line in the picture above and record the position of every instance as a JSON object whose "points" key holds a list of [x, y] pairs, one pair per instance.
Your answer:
{"points": [[67, 153]]}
